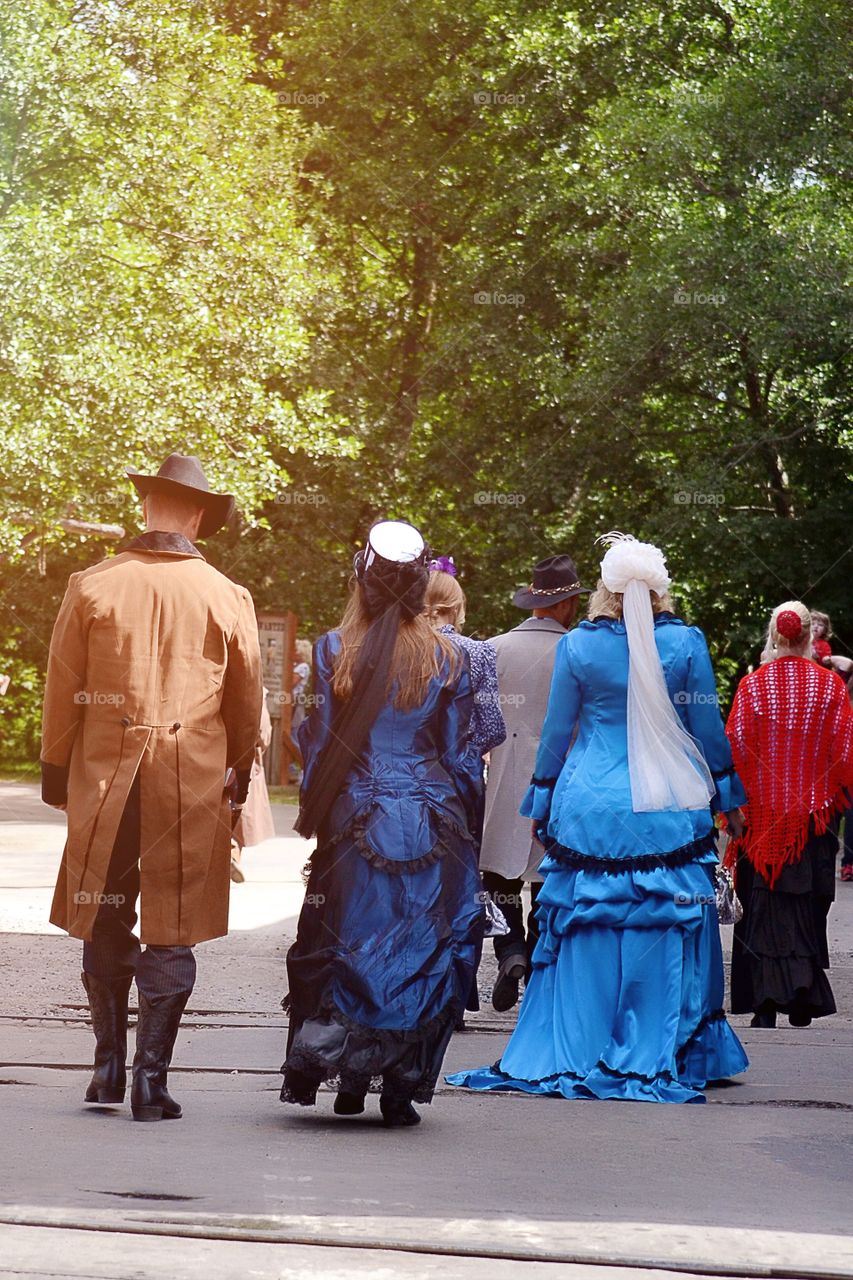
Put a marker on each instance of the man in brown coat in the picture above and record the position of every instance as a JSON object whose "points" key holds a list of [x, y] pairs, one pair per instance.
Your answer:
{"points": [[153, 692]]}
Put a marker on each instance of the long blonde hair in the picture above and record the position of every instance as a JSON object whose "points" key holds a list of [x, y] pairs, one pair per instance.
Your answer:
{"points": [[445, 600], [608, 604], [420, 654]]}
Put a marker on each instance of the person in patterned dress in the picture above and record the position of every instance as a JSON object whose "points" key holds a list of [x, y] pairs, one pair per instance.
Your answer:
{"points": [[445, 608]]}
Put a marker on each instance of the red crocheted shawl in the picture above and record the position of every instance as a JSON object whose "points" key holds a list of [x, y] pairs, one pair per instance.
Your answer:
{"points": [[791, 732]]}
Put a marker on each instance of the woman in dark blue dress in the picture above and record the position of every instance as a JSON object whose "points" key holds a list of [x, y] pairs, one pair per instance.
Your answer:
{"points": [[387, 937]]}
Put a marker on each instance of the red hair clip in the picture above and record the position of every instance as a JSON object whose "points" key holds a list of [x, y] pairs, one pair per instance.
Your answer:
{"points": [[790, 625]]}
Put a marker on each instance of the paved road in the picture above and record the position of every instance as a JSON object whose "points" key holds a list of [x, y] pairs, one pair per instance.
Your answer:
{"points": [[499, 1177]]}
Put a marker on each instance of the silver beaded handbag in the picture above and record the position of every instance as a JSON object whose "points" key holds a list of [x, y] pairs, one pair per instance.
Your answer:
{"points": [[729, 905]]}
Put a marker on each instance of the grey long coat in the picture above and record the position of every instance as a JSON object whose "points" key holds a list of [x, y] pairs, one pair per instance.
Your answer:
{"points": [[525, 664]]}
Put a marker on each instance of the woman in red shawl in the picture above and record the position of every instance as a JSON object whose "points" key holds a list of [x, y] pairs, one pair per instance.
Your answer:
{"points": [[791, 731]]}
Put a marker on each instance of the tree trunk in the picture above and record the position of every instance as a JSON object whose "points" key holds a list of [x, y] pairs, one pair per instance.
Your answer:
{"points": [[418, 322], [758, 401]]}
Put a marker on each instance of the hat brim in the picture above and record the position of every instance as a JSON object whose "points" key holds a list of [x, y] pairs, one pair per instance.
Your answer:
{"points": [[524, 598], [218, 507]]}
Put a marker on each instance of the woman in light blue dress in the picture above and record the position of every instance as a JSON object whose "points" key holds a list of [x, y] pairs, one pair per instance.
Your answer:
{"points": [[625, 999]]}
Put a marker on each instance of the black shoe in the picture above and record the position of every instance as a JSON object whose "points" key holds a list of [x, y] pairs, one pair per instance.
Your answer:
{"points": [[800, 1019], [397, 1113], [349, 1104], [763, 1018], [505, 993], [156, 1033], [108, 1007]]}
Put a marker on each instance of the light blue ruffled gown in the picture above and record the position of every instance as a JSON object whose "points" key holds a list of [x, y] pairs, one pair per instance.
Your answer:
{"points": [[625, 999]]}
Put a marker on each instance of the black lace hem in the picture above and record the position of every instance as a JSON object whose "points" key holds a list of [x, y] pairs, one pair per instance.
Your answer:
{"points": [[395, 866], [723, 773], [640, 862], [356, 829], [303, 1062], [667, 1076]]}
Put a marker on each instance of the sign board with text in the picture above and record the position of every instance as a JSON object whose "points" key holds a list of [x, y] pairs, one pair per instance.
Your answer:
{"points": [[277, 635]]}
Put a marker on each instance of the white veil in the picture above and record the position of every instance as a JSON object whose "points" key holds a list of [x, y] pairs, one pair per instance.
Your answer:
{"points": [[666, 765]]}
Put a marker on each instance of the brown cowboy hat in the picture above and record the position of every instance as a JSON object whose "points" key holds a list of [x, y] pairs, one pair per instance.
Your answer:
{"points": [[185, 475], [554, 579]]}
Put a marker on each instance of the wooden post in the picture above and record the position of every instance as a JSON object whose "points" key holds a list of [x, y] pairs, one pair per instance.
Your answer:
{"points": [[277, 634]]}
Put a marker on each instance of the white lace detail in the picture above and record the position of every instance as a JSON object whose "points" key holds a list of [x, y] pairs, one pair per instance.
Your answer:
{"points": [[666, 765]]}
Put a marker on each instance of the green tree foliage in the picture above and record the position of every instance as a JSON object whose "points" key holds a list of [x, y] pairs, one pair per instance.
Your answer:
{"points": [[153, 281], [151, 269], [717, 336], [587, 269], [521, 273]]}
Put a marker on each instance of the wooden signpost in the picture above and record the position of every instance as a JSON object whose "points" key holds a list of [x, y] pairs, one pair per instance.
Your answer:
{"points": [[277, 633]]}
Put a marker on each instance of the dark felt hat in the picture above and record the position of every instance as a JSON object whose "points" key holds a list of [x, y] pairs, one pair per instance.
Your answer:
{"points": [[554, 579], [184, 475]]}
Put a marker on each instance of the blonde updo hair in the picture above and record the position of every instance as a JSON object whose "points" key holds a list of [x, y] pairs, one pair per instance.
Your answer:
{"points": [[604, 603], [445, 600], [778, 645]]}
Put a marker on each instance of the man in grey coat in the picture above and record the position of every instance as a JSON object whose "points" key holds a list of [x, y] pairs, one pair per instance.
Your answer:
{"points": [[509, 855]]}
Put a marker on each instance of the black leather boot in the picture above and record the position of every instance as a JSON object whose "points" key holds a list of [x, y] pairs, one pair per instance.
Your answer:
{"points": [[505, 994], [349, 1104], [352, 1091], [156, 1032], [765, 1015], [108, 1007], [397, 1113]]}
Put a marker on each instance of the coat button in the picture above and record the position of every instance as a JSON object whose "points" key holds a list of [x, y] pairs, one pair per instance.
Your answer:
{"points": [[175, 727], [125, 721]]}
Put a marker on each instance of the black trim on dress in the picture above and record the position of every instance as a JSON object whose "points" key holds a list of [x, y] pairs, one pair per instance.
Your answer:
{"points": [[576, 860]]}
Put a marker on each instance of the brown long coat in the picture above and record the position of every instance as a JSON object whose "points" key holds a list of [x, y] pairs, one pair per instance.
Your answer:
{"points": [[154, 668]]}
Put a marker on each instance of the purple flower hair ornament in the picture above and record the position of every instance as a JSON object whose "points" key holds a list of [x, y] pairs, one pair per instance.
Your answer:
{"points": [[443, 564]]}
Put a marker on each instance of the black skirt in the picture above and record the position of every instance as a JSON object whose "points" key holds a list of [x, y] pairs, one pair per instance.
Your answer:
{"points": [[780, 949]]}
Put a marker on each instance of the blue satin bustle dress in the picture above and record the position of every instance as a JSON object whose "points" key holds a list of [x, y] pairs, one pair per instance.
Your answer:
{"points": [[393, 915], [625, 998]]}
